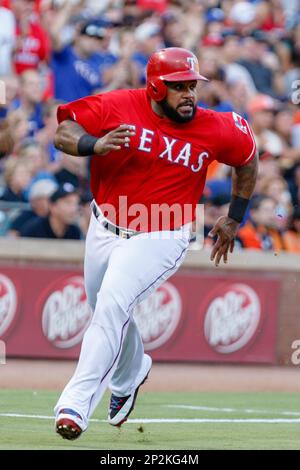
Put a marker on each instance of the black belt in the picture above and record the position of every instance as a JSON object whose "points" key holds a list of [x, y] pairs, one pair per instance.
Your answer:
{"points": [[121, 232]]}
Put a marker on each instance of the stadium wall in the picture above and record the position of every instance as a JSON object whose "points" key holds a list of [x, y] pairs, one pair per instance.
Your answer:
{"points": [[245, 312]]}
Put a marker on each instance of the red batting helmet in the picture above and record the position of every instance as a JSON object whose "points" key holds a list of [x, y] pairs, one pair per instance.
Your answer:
{"points": [[173, 64]]}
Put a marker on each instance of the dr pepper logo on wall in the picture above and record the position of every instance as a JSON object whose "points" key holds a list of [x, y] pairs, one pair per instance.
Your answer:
{"points": [[8, 304], [232, 317], [65, 312], [158, 316]]}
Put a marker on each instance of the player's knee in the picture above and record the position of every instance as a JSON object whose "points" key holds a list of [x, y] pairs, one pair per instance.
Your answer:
{"points": [[111, 301]]}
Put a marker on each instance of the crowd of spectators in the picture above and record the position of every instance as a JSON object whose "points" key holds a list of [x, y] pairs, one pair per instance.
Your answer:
{"points": [[61, 50]]}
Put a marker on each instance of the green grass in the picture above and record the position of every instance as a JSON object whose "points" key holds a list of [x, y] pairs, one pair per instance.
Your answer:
{"points": [[32, 433]]}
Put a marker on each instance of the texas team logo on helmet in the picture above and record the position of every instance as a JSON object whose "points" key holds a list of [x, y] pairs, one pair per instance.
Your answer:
{"points": [[193, 63], [173, 64]]}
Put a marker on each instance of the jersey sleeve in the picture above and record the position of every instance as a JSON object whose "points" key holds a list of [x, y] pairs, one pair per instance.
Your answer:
{"points": [[87, 112], [236, 146]]}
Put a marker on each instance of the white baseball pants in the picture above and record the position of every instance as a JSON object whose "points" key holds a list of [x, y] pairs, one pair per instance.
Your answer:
{"points": [[119, 273]]}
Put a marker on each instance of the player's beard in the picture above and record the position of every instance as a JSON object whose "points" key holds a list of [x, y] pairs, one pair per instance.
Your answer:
{"points": [[172, 114]]}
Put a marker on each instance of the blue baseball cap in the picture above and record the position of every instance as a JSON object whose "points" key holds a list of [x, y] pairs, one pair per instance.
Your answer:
{"points": [[215, 14]]}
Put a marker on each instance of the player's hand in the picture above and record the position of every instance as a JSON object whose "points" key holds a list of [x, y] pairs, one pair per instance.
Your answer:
{"points": [[114, 140], [226, 229]]}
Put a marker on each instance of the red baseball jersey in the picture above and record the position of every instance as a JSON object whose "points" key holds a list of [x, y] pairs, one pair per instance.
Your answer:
{"points": [[164, 165], [32, 49]]}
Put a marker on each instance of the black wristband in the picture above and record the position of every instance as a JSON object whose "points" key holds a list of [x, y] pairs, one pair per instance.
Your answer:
{"points": [[237, 208], [86, 145]]}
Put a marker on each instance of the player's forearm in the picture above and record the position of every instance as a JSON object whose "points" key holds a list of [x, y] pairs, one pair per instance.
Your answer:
{"points": [[67, 137], [244, 179], [243, 184]]}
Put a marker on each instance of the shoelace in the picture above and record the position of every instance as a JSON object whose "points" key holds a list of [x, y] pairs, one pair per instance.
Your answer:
{"points": [[117, 402]]}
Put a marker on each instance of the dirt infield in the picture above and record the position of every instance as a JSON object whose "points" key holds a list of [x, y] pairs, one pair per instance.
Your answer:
{"points": [[53, 375]]}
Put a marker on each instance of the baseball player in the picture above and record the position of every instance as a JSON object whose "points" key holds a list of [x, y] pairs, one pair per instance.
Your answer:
{"points": [[150, 147]]}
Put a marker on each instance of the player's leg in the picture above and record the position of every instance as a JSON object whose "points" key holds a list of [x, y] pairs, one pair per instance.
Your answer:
{"points": [[132, 371], [99, 354], [126, 282], [131, 358], [130, 282], [99, 244]]}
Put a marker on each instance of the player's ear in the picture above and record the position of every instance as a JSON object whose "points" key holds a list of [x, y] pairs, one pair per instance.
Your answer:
{"points": [[156, 89]]}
